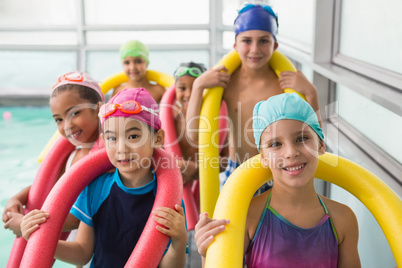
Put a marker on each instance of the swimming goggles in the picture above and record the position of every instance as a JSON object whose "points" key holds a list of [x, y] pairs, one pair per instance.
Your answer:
{"points": [[267, 8], [128, 107], [72, 77], [182, 70]]}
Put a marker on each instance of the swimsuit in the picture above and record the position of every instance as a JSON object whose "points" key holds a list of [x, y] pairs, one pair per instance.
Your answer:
{"points": [[279, 243], [118, 215]]}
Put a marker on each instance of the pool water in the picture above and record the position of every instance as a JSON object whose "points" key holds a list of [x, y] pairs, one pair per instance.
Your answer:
{"points": [[22, 138]]}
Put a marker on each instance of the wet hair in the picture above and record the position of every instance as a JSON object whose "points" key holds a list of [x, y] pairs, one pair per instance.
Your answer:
{"points": [[84, 92]]}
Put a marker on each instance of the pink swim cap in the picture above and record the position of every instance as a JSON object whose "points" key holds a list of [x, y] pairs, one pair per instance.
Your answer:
{"points": [[79, 78], [149, 113]]}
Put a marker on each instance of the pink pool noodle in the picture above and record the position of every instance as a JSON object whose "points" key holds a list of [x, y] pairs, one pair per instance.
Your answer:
{"points": [[172, 145], [151, 245], [44, 181]]}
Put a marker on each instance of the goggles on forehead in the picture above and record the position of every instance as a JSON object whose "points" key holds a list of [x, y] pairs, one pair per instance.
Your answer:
{"points": [[128, 107], [267, 8], [193, 71], [72, 77]]}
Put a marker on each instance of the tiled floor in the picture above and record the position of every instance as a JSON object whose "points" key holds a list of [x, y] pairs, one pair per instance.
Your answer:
{"points": [[193, 258]]}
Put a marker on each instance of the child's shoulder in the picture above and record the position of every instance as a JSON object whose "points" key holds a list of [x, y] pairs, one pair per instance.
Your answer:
{"points": [[156, 91], [158, 88], [342, 216], [100, 181], [335, 208]]}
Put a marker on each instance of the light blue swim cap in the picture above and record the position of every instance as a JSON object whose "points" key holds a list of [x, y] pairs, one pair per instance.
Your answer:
{"points": [[283, 106], [256, 17]]}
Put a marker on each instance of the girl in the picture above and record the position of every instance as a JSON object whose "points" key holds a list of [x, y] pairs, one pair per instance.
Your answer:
{"points": [[114, 208], [184, 77], [134, 56], [290, 225], [74, 103]]}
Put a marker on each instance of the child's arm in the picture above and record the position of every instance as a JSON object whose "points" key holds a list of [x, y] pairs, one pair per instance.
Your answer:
{"points": [[78, 252], [16, 203], [189, 170], [14, 211], [348, 255], [299, 82], [218, 77], [71, 223], [205, 231], [175, 227]]}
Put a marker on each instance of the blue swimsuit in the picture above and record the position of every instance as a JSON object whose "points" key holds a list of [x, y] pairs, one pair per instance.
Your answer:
{"points": [[118, 215]]}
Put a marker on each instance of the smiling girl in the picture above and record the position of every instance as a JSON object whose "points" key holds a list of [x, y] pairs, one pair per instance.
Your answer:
{"points": [[290, 225]]}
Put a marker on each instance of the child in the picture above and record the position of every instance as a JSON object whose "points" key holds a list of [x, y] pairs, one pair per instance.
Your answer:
{"points": [[253, 81], [291, 225], [134, 56], [74, 103], [184, 76], [114, 208]]}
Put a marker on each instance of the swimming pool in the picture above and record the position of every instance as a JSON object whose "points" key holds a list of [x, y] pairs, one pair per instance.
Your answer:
{"points": [[22, 137]]}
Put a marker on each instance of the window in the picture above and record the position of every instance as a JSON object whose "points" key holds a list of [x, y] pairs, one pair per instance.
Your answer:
{"points": [[381, 126], [38, 38], [372, 46], [37, 12], [148, 37], [119, 12], [34, 69], [296, 22]]}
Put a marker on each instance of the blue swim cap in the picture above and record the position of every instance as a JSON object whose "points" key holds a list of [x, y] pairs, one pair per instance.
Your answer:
{"points": [[283, 106], [256, 17]]}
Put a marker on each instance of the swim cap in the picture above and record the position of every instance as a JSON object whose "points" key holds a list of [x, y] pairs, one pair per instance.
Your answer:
{"points": [[256, 17], [134, 48], [190, 69], [283, 106], [79, 78], [149, 108]]}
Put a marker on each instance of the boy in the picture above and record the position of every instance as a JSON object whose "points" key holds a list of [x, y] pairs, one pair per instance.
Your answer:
{"points": [[255, 41], [134, 56]]}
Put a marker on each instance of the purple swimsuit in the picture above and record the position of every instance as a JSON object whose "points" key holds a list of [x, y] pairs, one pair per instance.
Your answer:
{"points": [[279, 243]]}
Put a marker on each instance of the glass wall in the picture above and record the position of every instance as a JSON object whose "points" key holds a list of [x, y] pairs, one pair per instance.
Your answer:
{"points": [[296, 22], [377, 38], [86, 35], [118, 12], [381, 126]]}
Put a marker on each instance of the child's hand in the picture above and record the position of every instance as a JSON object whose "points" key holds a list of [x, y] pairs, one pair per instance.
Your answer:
{"points": [[14, 222], [173, 223], [30, 222], [214, 77], [298, 82], [205, 230], [12, 205]]}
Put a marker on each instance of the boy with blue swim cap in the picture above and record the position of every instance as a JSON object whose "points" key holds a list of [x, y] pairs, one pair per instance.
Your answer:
{"points": [[135, 59], [256, 17], [255, 28]]}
